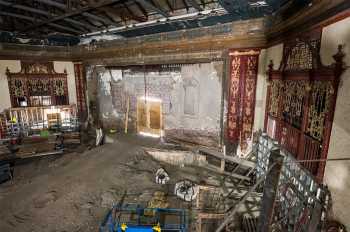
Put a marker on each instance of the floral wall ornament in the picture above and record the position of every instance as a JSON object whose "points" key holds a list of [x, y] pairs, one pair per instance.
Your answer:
{"points": [[319, 107], [300, 111], [35, 82], [276, 88]]}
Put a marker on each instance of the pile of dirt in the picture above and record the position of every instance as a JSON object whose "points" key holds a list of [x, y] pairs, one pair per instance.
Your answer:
{"points": [[73, 193]]}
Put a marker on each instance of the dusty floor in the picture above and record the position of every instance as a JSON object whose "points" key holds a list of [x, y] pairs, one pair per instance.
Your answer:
{"points": [[73, 192]]}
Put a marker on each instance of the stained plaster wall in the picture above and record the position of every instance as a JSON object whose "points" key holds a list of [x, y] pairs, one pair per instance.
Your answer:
{"points": [[113, 88], [15, 66], [337, 174]]}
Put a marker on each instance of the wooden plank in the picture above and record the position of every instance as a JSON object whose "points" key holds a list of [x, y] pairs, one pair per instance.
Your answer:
{"points": [[232, 159], [234, 175]]}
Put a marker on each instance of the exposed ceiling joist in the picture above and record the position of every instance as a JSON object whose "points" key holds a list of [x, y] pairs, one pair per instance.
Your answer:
{"points": [[95, 17], [112, 13], [104, 20], [88, 26], [18, 16], [169, 5], [142, 9], [185, 4], [75, 32], [72, 13], [65, 28], [195, 5], [133, 16], [22, 7], [45, 13], [54, 3], [151, 6]]}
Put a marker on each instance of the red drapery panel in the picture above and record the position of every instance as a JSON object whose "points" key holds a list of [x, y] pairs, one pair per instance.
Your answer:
{"points": [[241, 103], [80, 85]]}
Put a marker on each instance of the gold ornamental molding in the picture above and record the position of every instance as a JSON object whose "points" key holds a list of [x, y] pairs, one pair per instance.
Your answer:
{"points": [[244, 53]]}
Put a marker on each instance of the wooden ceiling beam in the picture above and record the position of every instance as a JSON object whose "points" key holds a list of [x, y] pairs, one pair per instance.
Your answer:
{"points": [[169, 5], [46, 13], [113, 13], [71, 30], [54, 3], [72, 13], [131, 15], [104, 20], [88, 15], [153, 7], [185, 4], [142, 9], [195, 4]]}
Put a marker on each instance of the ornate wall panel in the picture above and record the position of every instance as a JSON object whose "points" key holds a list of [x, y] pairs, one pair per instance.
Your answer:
{"points": [[37, 84], [244, 67], [301, 100], [319, 106], [300, 55], [293, 102], [276, 89]]}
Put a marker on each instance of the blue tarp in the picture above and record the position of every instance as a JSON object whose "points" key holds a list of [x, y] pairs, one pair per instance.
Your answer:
{"points": [[138, 229]]}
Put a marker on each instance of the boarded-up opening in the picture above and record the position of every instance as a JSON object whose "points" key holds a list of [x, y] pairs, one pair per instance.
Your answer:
{"points": [[149, 116]]}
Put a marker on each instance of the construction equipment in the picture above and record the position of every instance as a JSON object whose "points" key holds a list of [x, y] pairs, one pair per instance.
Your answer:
{"points": [[134, 218]]}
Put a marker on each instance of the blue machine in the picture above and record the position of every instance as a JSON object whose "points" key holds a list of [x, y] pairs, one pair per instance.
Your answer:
{"points": [[133, 218]]}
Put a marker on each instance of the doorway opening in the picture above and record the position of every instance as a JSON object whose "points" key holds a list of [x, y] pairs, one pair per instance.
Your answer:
{"points": [[149, 116]]}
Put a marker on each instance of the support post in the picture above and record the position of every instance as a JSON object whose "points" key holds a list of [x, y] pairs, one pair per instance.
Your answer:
{"points": [[270, 190]]}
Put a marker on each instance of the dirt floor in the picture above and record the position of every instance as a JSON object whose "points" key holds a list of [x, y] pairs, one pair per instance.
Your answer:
{"points": [[73, 192]]}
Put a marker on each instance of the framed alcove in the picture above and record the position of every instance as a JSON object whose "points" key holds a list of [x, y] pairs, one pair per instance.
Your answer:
{"points": [[37, 84], [301, 98]]}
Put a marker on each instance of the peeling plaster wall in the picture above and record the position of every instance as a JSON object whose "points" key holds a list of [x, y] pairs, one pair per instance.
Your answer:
{"points": [[15, 66], [337, 174], [204, 83]]}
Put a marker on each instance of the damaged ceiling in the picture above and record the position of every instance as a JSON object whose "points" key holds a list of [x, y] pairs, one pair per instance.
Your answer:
{"points": [[65, 21]]}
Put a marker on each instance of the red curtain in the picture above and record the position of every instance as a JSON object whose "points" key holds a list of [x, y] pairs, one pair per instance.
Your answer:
{"points": [[241, 103], [80, 85]]}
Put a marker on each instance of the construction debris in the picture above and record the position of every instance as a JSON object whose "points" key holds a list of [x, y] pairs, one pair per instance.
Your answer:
{"points": [[186, 190], [158, 200], [162, 177]]}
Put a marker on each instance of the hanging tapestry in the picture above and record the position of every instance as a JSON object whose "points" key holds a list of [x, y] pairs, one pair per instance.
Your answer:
{"points": [[80, 84], [233, 109], [244, 67]]}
